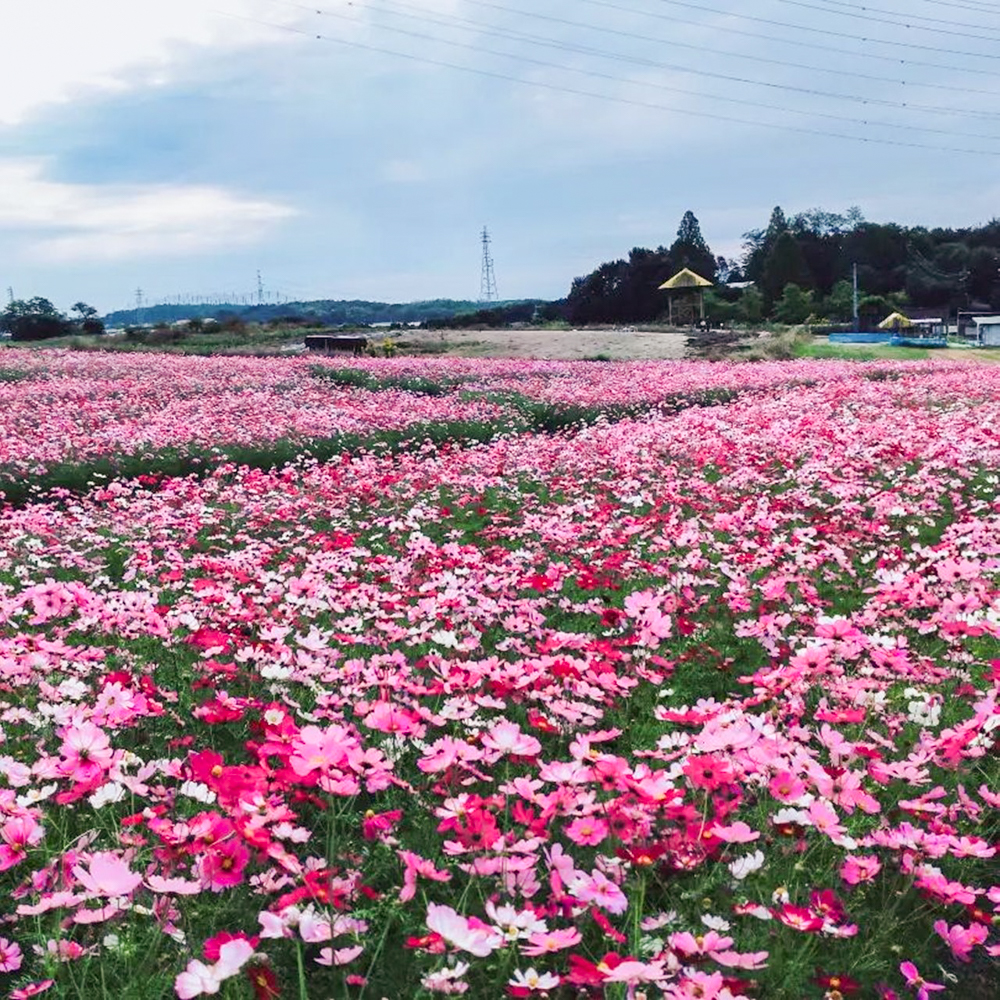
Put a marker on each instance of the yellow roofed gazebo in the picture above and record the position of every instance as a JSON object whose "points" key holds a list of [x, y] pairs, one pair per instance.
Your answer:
{"points": [[685, 296], [895, 321]]}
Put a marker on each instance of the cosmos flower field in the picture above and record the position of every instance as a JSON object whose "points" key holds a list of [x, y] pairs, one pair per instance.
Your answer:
{"points": [[499, 678]]}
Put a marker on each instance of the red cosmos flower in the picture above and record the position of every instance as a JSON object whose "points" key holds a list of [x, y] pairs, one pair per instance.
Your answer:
{"points": [[210, 638], [602, 921], [432, 942], [210, 949], [642, 855], [206, 767], [825, 903], [263, 981], [538, 721], [373, 824], [708, 771], [585, 973], [844, 984]]}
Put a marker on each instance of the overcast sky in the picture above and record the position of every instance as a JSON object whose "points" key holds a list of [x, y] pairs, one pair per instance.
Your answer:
{"points": [[178, 146]]}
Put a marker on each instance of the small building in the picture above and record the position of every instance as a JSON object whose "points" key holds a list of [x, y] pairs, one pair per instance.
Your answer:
{"points": [[987, 330], [685, 297]]}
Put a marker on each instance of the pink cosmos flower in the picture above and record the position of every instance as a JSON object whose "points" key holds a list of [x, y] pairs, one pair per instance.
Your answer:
{"points": [[599, 889], [466, 934], [915, 981], [708, 771], [961, 939], [320, 749], [700, 985], [506, 737], [545, 942], [737, 960], [587, 830], [10, 956], [735, 833], [107, 875], [416, 865], [388, 718], [339, 956], [632, 972], [32, 989], [86, 752], [222, 866], [18, 834], [785, 787], [859, 868]]}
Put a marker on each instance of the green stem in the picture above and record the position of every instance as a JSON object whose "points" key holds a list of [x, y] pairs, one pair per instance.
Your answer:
{"points": [[303, 992]]}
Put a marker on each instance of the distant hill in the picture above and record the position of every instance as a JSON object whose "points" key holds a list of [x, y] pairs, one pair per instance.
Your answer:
{"points": [[325, 311]]}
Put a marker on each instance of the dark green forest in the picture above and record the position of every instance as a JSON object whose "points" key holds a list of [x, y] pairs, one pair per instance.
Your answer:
{"points": [[322, 312], [801, 269]]}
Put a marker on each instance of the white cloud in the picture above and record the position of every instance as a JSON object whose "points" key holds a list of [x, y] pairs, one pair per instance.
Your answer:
{"points": [[82, 222], [59, 50]]}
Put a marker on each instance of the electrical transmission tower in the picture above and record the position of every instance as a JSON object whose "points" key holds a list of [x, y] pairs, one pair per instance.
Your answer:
{"points": [[488, 282], [139, 305]]}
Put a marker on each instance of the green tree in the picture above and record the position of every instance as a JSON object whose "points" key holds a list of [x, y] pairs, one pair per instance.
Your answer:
{"points": [[87, 319], [794, 306], [33, 319], [691, 250], [750, 307], [785, 265], [758, 244], [839, 304]]}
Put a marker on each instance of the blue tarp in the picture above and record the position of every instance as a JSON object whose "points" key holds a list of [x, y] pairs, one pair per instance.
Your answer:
{"points": [[860, 338]]}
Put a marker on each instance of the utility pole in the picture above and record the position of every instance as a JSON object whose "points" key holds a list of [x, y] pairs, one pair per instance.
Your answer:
{"points": [[488, 281], [855, 269]]}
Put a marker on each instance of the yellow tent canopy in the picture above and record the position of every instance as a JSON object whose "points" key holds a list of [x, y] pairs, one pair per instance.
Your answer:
{"points": [[895, 321], [686, 278]]}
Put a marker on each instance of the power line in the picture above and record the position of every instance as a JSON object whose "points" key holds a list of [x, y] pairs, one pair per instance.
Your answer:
{"points": [[558, 88], [635, 60], [896, 60], [673, 42], [812, 92], [867, 11], [990, 10], [825, 31]]}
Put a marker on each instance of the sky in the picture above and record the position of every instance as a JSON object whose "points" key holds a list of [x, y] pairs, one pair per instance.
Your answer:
{"points": [[356, 150]]}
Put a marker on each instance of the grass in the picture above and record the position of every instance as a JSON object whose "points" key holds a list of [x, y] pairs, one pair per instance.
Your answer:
{"points": [[812, 347]]}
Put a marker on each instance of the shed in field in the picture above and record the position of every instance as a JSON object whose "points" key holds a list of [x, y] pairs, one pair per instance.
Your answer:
{"points": [[685, 297], [987, 330]]}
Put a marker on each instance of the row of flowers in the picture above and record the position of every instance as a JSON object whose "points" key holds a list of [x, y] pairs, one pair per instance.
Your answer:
{"points": [[64, 407]]}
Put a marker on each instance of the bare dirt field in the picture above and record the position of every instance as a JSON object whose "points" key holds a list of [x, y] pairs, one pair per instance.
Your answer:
{"points": [[562, 344]]}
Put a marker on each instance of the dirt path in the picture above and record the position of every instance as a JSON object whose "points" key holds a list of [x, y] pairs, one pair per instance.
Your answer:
{"points": [[560, 344]]}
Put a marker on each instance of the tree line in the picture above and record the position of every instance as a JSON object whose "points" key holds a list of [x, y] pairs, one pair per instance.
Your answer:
{"points": [[39, 319], [801, 269]]}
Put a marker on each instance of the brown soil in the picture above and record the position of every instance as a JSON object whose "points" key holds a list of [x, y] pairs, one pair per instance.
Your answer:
{"points": [[562, 344]]}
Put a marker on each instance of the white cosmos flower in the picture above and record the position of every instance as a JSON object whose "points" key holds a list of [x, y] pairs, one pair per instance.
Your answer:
{"points": [[197, 791], [747, 865], [106, 794]]}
